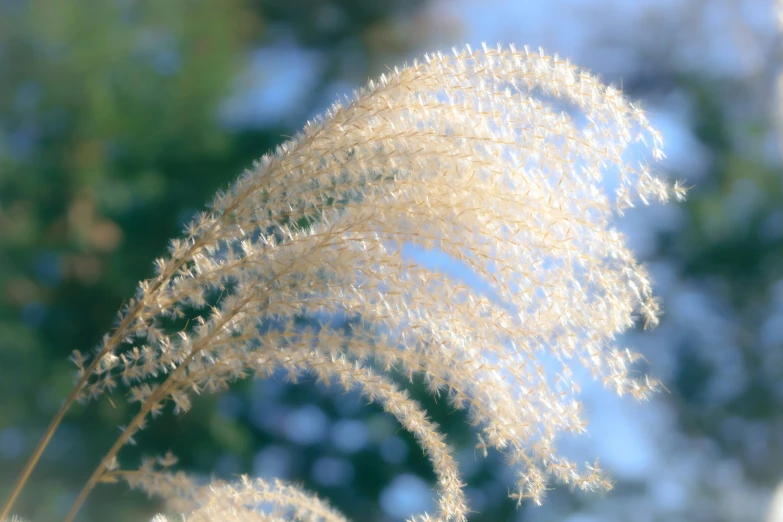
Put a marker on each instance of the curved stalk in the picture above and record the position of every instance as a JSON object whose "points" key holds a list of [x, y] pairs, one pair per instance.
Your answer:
{"points": [[113, 341], [57, 419], [137, 421]]}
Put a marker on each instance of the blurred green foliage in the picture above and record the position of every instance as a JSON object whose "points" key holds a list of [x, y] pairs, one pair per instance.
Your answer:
{"points": [[108, 138], [730, 247]]}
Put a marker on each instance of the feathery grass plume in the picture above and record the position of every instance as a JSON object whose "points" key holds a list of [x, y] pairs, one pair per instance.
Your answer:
{"points": [[498, 158], [372, 386], [235, 515], [246, 500]]}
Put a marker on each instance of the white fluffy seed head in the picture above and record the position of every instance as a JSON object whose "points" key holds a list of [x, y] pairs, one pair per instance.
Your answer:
{"points": [[513, 163]]}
